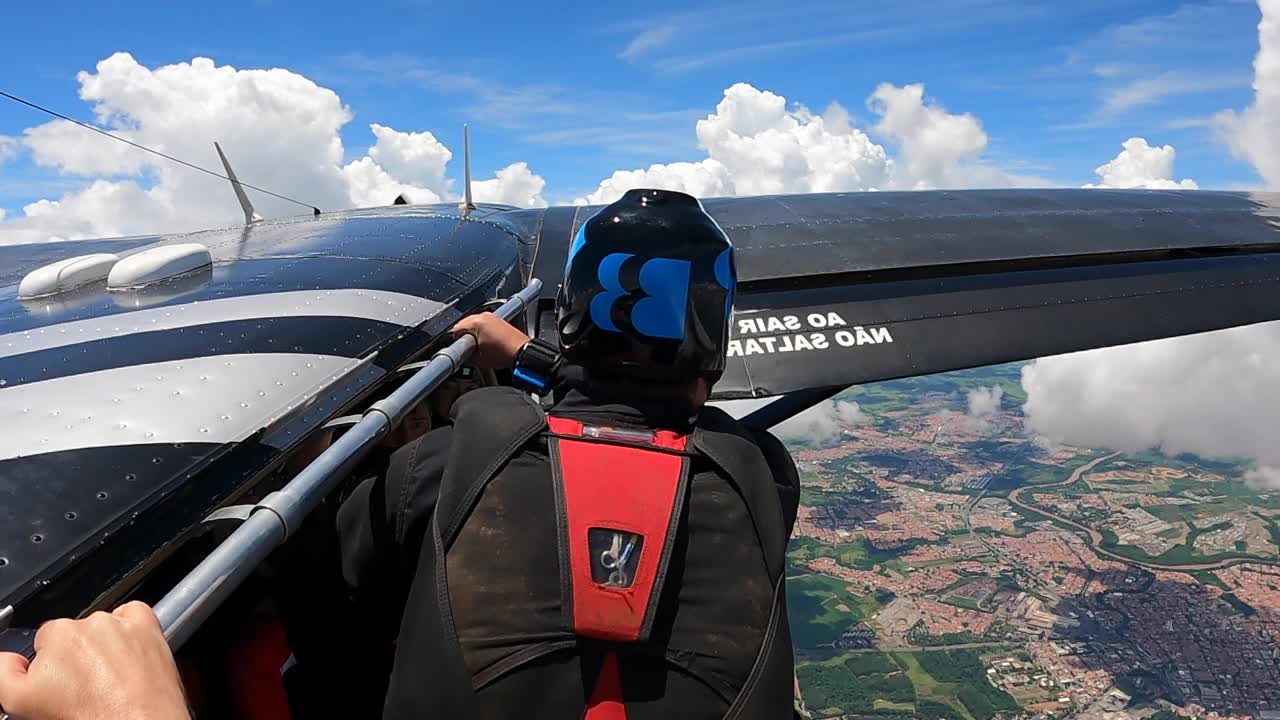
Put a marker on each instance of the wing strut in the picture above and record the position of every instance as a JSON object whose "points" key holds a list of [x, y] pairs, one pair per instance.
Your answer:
{"points": [[251, 216], [279, 514], [787, 406]]}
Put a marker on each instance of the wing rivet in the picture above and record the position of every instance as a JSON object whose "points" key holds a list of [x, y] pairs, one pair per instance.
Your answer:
{"points": [[156, 460], [204, 430], [150, 434], [4, 561], [130, 477], [244, 405], [70, 516], [102, 495], [37, 538]]}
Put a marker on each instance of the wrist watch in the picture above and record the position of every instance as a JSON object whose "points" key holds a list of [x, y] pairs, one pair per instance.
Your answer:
{"points": [[535, 367]]}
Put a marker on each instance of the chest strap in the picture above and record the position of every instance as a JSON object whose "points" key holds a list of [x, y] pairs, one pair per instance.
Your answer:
{"points": [[619, 494]]}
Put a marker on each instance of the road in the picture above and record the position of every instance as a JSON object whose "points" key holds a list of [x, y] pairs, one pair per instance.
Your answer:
{"points": [[929, 648], [1095, 537]]}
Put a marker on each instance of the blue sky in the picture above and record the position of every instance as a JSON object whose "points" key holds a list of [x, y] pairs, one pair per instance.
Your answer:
{"points": [[579, 91]]}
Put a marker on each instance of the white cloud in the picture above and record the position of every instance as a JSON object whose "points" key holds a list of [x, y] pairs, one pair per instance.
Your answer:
{"points": [[9, 147], [707, 178], [279, 129], [985, 401], [756, 145], [937, 149], [1143, 91], [822, 424], [514, 184], [648, 40], [1140, 165], [1254, 134], [370, 184], [416, 158], [1213, 394]]}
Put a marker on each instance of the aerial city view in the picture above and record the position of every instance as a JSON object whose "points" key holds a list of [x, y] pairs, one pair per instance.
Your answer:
{"points": [[947, 563]]}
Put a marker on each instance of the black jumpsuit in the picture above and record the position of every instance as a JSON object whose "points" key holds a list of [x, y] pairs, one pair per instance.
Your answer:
{"points": [[456, 598]]}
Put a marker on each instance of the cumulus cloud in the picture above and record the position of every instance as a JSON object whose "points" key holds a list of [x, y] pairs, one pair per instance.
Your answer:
{"points": [[280, 130], [985, 401], [1254, 134], [514, 184], [414, 157], [1140, 165], [935, 146], [822, 424], [707, 178], [1213, 394], [757, 145]]}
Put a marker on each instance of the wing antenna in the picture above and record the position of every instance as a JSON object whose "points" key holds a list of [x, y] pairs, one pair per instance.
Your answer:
{"points": [[251, 216], [467, 204]]}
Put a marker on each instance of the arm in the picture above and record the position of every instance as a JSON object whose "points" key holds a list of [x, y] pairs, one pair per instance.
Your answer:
{"points": [[785, 475]]}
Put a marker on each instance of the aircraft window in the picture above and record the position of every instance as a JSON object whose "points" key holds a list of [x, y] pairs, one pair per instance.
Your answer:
{"points": [[1012, 540]]}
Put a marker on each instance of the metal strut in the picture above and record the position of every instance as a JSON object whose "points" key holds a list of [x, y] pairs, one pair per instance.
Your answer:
{"points": [[271, 521]]}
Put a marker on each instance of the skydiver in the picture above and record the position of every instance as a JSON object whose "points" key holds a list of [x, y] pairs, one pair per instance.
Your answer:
{"points": [[618, 555]]}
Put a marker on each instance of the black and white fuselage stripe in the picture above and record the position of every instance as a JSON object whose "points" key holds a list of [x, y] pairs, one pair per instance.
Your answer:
{"points": [[219, 399], [214, 371], [378, 305]]}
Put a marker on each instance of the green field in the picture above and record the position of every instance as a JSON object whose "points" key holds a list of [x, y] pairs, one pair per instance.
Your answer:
{"points": [[856, 554], [928, 685], [814, 607]]}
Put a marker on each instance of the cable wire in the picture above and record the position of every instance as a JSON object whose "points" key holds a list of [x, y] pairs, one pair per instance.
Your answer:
{"points": [[100, 131]]}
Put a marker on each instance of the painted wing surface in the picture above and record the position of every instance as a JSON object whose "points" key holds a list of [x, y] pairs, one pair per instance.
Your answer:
{"points": [[851, 288], [129, 414]]}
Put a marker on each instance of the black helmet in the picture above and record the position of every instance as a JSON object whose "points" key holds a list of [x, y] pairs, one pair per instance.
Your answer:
{"points": [[648, 289]]}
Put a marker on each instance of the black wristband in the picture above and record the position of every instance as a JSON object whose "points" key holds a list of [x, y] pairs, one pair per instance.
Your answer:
{"points": [[535, 366]]}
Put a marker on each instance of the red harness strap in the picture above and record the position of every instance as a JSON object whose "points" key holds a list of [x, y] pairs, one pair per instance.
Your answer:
{"points": [[606, 700], [620, 505]]}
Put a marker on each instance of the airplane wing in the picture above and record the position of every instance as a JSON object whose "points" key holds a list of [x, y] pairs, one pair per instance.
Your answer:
{"points": [[131, 412], [228, 365], [841, 289]]}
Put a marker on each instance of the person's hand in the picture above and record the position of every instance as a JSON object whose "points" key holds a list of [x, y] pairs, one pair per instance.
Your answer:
{"points": [[497, 341], [104, 667]]}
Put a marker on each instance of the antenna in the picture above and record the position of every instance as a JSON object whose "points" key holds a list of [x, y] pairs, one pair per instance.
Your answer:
{"points": [[467, 204], [251, 216]]}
